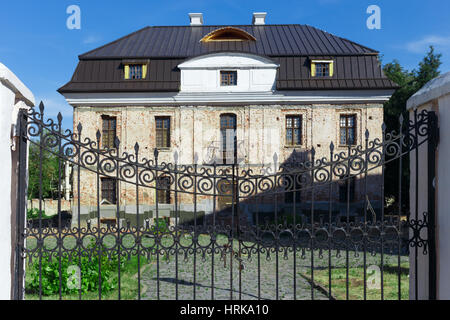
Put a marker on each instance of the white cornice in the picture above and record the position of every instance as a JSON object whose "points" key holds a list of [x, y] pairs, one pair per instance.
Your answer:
{"points": [[210, 98], [8, 78]]}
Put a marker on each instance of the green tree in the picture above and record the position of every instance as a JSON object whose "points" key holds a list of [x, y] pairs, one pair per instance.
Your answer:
{"points": [[410, 82], [50, 172], [428, 68]]}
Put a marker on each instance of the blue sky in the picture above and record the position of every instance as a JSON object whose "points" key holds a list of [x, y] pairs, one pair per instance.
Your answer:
{"points": [[37, 46]]}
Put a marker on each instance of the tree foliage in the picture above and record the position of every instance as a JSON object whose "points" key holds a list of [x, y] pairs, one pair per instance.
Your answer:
{"points": [[50, 167], [410, 82]]}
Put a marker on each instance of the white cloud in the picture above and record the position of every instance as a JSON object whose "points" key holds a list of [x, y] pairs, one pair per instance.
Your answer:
{"points": [[420, 46]]}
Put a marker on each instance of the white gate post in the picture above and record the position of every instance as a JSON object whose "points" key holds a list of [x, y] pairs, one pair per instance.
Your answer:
{"points": [[13, 96], [435, 96]]}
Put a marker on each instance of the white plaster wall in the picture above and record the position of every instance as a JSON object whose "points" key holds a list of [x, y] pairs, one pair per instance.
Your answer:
{"points": [[7, 98], [443, 191], [202, 74], [419, 169], [13, 95]]}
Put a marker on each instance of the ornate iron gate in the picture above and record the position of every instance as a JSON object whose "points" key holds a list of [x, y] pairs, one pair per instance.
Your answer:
{"points": [[276, 240]]}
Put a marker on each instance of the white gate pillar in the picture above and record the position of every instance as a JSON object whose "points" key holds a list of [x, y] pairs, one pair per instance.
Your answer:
{"points": [[434, 96], [13, 95]]}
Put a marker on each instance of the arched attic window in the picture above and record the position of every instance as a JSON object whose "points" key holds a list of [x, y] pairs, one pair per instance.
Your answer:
{"points": [[228, 34]]}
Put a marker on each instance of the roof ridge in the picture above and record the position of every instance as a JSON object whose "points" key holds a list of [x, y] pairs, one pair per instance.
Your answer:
{"points": [[227, 25]]}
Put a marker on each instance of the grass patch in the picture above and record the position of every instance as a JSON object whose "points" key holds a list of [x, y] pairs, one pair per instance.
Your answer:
{"points": [[356, 283], [128, 285]]}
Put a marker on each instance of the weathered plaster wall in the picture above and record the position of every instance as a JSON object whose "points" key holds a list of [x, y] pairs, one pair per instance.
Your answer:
{"points": [[195, 134]]}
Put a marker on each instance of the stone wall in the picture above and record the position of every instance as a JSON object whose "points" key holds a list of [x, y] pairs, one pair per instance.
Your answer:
{"points": [[50, 206]]}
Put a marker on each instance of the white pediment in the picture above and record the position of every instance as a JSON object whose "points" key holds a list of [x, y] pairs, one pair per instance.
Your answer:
{"points": [[228, 60]]}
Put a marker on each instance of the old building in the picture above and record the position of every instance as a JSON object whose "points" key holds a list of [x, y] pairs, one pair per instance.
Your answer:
{"points": [[254, 95]]}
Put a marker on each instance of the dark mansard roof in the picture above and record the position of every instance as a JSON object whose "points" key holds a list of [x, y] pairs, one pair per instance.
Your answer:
{"points": [[291, 46]]}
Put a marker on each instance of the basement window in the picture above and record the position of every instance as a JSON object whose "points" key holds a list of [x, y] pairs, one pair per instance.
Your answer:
{"points": [[163, 190], [228, 78]]}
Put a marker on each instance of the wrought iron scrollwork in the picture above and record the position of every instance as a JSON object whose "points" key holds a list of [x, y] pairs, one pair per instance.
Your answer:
{"points": [[242, 185]]}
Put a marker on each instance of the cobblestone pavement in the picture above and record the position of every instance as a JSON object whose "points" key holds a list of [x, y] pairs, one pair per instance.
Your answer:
{"points": [[233, 283], [247, 289]]}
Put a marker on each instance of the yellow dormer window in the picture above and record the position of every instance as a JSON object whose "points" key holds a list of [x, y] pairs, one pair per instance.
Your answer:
{"points": [[322, 68], [135, 71], [228, 34]]}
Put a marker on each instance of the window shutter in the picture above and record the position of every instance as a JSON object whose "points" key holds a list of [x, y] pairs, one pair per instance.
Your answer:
{"points": [[331, 69], [127, 71], [144, 71], [313, 69]]}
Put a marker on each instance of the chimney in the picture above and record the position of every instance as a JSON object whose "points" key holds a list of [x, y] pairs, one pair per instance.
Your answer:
{"points": [[196, 19], [259, 18]]}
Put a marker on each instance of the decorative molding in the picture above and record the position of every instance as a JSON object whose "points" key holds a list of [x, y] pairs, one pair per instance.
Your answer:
{"points": [[277, 97]]}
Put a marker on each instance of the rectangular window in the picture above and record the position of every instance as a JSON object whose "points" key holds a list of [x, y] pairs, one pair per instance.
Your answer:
{"points": [[347, 126], [109, 190], [228, 78], [162, 132], [228, 136], [344, 189], [293, 130], [108, 131], [163, 190], [135, 71], [322, 68]]}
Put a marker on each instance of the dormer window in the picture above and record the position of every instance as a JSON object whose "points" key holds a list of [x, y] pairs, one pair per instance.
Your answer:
{"points": [[228, 34], [321, 68], [135, 71], [228, 78]]}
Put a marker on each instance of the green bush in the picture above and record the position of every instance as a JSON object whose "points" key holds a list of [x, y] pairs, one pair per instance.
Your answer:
{"points": [[50, 271], [34, 214], [161, 225]]}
